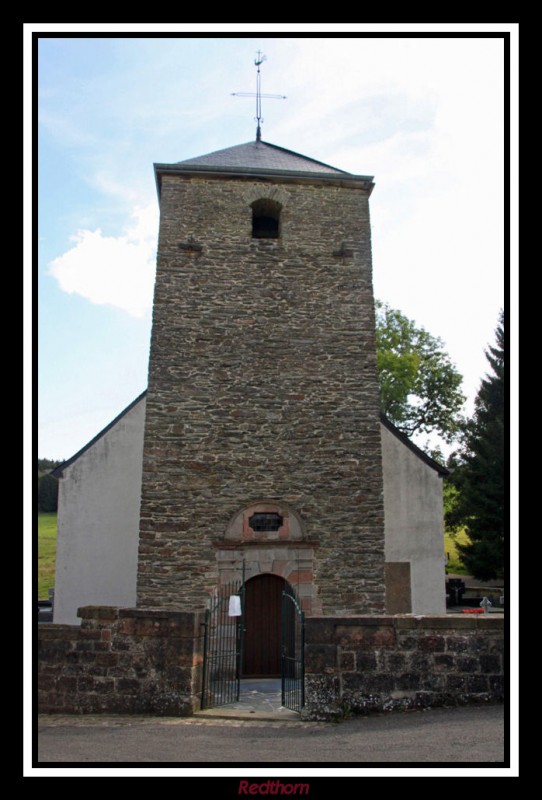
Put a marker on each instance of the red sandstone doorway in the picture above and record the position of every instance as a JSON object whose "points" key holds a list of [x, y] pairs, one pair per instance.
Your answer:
{"points": [[262, 636]]}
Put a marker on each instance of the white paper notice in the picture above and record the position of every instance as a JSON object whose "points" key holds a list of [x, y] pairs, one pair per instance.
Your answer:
{"points": [[235, 606]]}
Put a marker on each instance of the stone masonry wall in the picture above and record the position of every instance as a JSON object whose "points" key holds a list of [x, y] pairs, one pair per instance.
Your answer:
{"points": [[125, 660], [363, 664], [121, 660], [262, 387]]}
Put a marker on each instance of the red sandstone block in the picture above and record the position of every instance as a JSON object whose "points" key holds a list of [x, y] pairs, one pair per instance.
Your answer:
{"points": [[367, 636], [432, 644], [319, 629], [89, 634], [384, 638], [126, 627], [302, 576], [62, 632], [108, 612], [150, 627], [345, 635], [97, 612]]}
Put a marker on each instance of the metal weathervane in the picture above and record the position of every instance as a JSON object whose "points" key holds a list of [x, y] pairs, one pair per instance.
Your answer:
{"points": [[258, 61]]}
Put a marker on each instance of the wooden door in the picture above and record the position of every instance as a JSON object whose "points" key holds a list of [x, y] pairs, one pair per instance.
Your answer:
{"points": [[263, 602]]}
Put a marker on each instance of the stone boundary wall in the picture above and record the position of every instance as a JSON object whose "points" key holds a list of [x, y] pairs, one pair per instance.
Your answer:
{"points": [[121, 660], [355, 665], [138, 661]]}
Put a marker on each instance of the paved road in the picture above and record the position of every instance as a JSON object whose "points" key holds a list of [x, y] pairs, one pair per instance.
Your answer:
{"points": [[456, 735]]}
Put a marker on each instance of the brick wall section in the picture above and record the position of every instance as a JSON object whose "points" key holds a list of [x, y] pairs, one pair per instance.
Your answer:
{"points": [[121, 661], [366, 664], [262, 386]]}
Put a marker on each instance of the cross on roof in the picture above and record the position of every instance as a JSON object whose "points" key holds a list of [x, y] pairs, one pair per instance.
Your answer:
{"points": [[258, 61]]}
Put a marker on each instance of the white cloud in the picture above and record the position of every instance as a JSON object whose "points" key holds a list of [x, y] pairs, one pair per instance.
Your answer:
{"points": [[113, 270]]}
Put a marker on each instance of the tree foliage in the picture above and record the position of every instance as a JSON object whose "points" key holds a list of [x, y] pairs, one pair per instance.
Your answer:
{"points": [[419, 385], [479, 473], [47, 485], [47, 493], [47, 464]]}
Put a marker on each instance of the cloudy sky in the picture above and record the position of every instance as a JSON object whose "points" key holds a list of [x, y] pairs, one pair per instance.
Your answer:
{"points": [[425, 116]]}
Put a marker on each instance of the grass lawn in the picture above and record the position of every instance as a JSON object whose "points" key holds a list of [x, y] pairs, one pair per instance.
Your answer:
{"points": [[46, 554], [454, 565]]}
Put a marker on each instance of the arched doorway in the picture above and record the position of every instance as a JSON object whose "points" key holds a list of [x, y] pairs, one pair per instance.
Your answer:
{"points": [[262, 622]]}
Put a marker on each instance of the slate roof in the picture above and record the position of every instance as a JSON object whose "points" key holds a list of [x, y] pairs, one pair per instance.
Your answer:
{"points": [[261, 159], [261, 155]]}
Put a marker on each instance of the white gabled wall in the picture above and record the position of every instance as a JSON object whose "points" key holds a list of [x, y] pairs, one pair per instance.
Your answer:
{"points": [[413, 518], [98, 521]]}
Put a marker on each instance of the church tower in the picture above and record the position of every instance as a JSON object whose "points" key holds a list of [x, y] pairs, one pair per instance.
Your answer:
{"points": [[262, 438]]}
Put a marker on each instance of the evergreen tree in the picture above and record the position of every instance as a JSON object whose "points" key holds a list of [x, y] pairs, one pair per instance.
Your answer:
{"points": [[47, 464], [47, 493], [479, 475]]}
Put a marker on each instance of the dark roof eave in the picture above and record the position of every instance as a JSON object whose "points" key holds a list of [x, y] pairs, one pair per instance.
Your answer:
{"points": [[442, 471], [57, 472], [343, 178]]}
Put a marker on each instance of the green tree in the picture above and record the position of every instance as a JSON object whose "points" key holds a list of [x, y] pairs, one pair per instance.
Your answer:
{"points": [[47, 493], [46, 464], [479, 473], [419, 385]]}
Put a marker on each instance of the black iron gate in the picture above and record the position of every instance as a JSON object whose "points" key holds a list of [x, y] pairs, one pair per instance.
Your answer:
{"points": [[223, 646], [293, 652]]}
